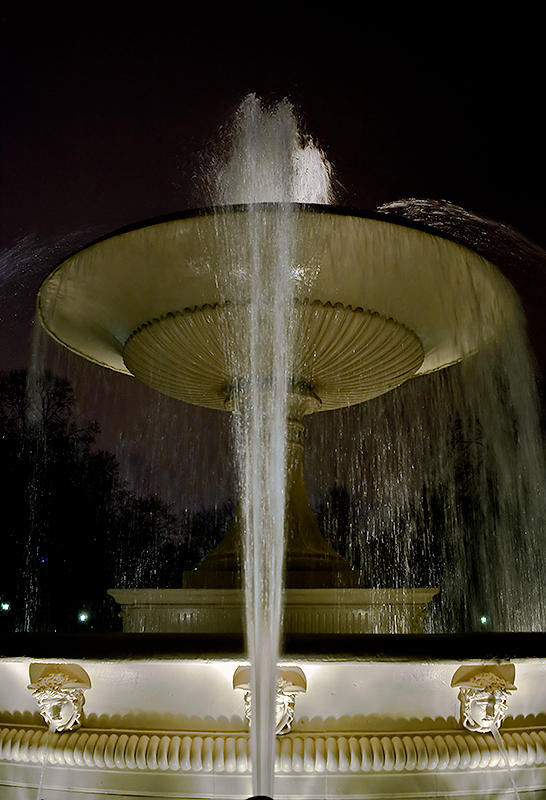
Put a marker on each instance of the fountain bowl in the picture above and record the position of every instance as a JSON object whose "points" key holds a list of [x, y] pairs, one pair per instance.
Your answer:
{"points": [[379, 300]]}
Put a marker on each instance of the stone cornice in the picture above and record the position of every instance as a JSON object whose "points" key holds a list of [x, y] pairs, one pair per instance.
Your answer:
{"points": [[309, 754]]}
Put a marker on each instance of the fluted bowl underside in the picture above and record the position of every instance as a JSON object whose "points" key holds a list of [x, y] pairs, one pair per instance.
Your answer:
{"points": [[344, 355], [381, 300]]}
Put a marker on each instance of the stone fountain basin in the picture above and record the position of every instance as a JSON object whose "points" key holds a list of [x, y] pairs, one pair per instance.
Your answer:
{"points": [[368, 725], [451, 299]]}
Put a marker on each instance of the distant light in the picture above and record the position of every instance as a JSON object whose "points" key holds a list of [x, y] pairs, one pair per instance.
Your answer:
{"points": [[5, 606], [483, 620], [83, 616]]}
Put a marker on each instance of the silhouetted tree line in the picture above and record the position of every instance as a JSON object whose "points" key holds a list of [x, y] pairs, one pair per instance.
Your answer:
{"points": [[414, 552], [432, 541], [71, 527]]}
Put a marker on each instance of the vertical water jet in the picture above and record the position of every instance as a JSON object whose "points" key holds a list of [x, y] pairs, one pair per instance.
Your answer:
{"points": [[266, 162]]}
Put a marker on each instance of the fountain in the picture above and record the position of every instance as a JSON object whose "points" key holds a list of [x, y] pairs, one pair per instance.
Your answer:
{"points": [[273, 305]]}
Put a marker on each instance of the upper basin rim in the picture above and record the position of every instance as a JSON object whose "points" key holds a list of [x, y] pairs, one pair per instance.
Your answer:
{"points": [[237, 208]]}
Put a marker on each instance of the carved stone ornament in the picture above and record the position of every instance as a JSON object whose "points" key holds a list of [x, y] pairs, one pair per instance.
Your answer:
{"points": [[483, 695], [59, 692], [290, 681]]}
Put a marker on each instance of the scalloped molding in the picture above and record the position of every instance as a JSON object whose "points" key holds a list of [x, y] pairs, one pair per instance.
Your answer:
{"points": [[295, 754], [184, 354]]}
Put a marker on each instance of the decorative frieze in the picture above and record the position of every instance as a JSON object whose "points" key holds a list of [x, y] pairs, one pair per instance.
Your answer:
{"points": [[224, 753], [332, 611]]}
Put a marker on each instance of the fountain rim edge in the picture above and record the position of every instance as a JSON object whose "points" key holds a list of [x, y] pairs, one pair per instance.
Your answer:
{"points": [[422, 647], [241, 208], [219, 210]]}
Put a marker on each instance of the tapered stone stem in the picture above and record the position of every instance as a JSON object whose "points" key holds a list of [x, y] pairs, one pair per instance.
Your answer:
{"points": [[310, 562]]}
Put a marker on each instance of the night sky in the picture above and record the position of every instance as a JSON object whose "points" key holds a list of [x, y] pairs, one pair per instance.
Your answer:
{"points": [[108, 120]]}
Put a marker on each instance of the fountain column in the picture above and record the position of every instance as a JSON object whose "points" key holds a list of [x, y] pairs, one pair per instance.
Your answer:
{"points": [[309, 561]]}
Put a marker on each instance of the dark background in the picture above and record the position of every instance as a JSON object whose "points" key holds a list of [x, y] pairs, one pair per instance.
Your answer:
{"points": [[107, 119]]}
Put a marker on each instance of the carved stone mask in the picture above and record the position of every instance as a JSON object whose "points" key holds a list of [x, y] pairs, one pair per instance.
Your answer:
{"points": [[484, 701], [482, 709], [59, 700], [284, 709], [290, 681]]}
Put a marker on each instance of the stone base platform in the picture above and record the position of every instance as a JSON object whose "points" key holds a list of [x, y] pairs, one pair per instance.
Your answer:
{"points": [[304, 610]]}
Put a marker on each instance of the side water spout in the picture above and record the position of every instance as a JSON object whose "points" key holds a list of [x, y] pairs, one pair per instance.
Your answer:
{"points": [[483, 696], [504, 752]]}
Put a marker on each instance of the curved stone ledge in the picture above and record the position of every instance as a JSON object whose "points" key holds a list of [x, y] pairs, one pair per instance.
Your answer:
{"points": [[295, 754]]}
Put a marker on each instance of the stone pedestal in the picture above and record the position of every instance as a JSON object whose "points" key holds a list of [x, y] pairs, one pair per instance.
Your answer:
{"points": [[304, 610]]}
